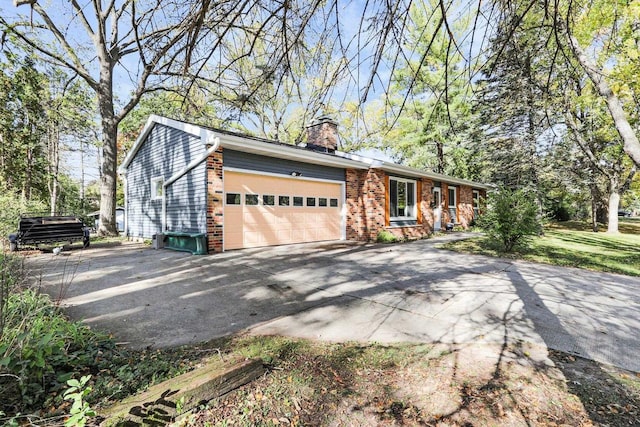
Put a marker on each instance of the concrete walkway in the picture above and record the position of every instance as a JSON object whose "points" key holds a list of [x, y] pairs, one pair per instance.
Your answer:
{"points": [[344, 291]]}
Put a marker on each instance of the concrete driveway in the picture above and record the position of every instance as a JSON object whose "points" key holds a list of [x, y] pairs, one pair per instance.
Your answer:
{"points": [[345, 291]]}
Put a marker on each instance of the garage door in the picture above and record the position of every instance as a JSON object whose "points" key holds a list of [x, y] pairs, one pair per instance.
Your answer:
{"points": [[264, 210]]}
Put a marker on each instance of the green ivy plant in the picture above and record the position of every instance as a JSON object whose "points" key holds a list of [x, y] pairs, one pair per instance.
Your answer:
{"points": [[80, 409]]}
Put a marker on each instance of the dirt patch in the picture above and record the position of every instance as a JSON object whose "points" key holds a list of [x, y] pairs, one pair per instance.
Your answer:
{"points": [[611, 396], [432, 385]]}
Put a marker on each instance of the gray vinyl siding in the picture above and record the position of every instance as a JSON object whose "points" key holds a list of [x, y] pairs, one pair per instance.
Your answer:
{"points": [[238, 159], [165, 152], [186, 202]]}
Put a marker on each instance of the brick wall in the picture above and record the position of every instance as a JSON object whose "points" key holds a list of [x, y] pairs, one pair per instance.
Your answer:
{"points": [[215, 201], [375, 203], [365, 203], [426, 211], [465, 205], [366, 207]]}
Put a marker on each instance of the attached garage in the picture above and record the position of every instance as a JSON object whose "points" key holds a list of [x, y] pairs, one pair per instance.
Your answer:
{"points": [[266, 210], [234, 191]]}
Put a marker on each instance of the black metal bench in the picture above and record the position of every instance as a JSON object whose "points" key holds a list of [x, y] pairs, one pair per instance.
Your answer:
{"points": [[34, 230]]}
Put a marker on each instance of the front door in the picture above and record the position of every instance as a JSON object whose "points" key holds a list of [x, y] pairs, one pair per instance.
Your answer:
{"points": [[437, 209]]}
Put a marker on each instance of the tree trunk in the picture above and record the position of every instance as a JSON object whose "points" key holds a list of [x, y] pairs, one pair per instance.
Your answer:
{"points": [[108, 177], [631, 144], [594, 214], [440, 148], [614, 202], [54, 167], [28, 173], [82, 193]]}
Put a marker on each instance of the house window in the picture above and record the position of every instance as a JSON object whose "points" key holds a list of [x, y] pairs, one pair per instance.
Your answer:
{"points": [[297, 201], [322, 202], [284, 200], [157, 188], [268, 200], [333, 203], [402, 198], [233, 198], [453, 212], [251, 199], [311, 201], [476, 204]]}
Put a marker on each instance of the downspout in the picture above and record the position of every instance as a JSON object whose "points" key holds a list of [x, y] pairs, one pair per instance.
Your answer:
{"points": [[123, 174], [126, 206], [213, 143]]}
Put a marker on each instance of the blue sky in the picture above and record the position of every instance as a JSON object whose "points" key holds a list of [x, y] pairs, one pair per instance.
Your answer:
{"points": [[351, 12]]}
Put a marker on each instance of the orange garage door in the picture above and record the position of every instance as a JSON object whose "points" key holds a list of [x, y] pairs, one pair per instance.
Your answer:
{"points": [[264, 211]]}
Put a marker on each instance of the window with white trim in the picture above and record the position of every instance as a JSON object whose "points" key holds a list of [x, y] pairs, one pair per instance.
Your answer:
{"points": [[453, 211], [284, 201], [233, 198], [157, 188], [476, 204], [268, 200], [251, 199], [402, 198]]}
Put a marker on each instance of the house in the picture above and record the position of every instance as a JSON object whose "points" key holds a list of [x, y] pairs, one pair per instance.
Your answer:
{"points": [[241, 191], [119, 219]]}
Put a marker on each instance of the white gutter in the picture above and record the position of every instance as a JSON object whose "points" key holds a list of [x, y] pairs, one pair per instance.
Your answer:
{"points": [[409, 171], [432, 175], [210, 140]]}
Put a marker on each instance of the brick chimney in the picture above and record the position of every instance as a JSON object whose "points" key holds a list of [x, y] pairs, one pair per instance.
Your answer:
{"points": [[322, 134]]}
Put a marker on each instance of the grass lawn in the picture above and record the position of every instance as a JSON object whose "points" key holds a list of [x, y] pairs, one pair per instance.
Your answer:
{"points": [[573, 244]]}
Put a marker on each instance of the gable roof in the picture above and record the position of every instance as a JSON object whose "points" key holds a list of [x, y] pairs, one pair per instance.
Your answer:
{"points": [[261, 146], [240, 142]]}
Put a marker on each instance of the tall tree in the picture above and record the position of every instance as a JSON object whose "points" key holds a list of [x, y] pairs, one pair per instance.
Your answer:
{"points": [[148, 43], [511, 101], [599, 36], [70, 127], [593, 134], [22, 127], [101, 41]]}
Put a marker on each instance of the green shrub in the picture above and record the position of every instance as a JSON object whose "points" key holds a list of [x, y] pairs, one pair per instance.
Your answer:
{"points": [[511, 218], [39, 348], [385, 236]]}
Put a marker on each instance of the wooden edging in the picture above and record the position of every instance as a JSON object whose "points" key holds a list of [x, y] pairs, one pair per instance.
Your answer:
{"points": [[163, 402]]}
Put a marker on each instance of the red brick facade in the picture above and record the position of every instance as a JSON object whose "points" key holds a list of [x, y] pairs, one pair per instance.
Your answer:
{"points": [[365, 201], [323, 132], [465, 206], [215, 201], [366, 205]]}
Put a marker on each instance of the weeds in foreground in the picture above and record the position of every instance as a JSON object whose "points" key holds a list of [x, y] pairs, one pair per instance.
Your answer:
{"points": [[41, 350]]}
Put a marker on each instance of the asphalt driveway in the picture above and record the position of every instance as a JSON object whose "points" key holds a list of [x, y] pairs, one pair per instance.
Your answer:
{"points": [[342, 291]]}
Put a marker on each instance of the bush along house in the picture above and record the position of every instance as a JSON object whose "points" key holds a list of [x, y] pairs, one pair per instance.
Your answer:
{"points": [[235, 191]]}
